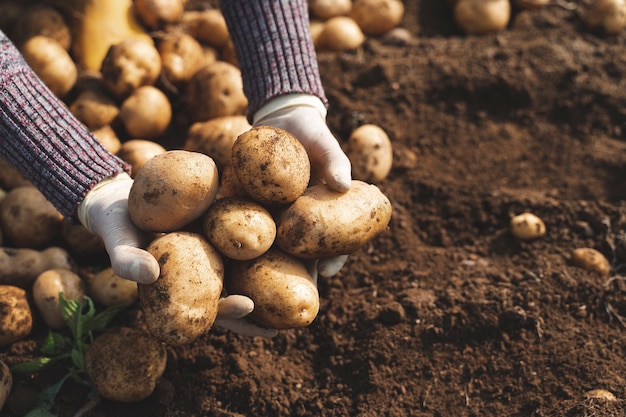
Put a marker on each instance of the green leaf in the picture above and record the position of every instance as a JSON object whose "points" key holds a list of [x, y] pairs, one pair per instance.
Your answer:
{"points": [[78, 359], [102, 319], [55, 343], [39, 364]]}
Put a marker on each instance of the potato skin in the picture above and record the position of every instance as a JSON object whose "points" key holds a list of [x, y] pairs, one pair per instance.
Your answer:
{"points": [[182, 304], [284, 294], [124, 364], [16, 319], [239, 228], [323, 223], [271, 164], [171, 190]]}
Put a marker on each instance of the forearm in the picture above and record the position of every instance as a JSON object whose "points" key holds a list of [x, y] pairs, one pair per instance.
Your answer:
{"points": [[43, 140], [274, 49]]}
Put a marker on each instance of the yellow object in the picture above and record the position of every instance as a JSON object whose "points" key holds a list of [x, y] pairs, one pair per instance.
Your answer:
{"points": [[103, 23]]}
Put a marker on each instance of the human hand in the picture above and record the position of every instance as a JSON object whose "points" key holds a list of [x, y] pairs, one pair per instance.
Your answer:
{"points": [[304, 116]]}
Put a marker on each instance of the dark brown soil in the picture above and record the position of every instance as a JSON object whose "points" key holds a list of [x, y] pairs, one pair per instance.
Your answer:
{"points": [[446, 314]]}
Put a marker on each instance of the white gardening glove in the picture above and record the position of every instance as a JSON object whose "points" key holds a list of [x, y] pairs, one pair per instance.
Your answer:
{"points": [[104, 211], [304, 116]]}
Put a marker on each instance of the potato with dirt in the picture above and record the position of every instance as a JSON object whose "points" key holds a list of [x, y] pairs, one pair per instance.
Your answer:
{"points": [[46, 291], [182, 304], [137, 152], [124, 364], [376, 17], [109, 289], [172, 190], [284, 293], [28, 219], [323, 223], [21, 266], [146, 113], [271, 165], [42, 20], [181, 57], [370, 152], [16, 318], [239, 227]]}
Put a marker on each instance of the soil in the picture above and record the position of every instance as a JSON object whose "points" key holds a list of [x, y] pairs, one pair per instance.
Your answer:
{"points": [[446, 313]]}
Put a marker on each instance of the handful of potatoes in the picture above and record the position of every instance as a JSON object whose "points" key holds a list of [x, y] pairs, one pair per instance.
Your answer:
{"points": [[256, 243]]}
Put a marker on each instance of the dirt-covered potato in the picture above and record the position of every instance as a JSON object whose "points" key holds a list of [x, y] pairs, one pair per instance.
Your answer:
{"points": [[42, 20], [527, 226], [51, 62], [28, 219], [239, 228], [215, 90], [109, 289], [606, 16], [6, 383], [146, 113], [107, 136], [182, 304], [376, 17], [95, 107], [284, 294], [124, 364], [130, 64], [323, 223], [229, 184], [46, 291], [370, 152], [340, 33], [215, 137], [16, 319], [271, 165], [591, 260], [137, 152], [479, 17], [21, 266], [158, 14], [172, 190], [207, 25], [181, 57]]}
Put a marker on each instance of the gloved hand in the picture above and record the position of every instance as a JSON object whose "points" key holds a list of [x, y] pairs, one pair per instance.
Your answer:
{"points": [[304, 116], [104, 211]]}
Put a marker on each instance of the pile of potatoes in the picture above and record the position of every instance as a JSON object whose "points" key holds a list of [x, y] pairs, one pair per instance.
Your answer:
{"points": [[137, 73]]}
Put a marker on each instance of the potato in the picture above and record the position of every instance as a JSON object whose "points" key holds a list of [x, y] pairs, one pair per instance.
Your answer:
{"points": [[530, 4], [340, 33], [181, 57], [108, 138], [28, 219], [215, 137], [229, 184], [325, 9], [10, 177], [207, 25], [130, 64], [600, 394], [370, 152], [239, 228], [316, 27], [146, 113], [124, 364], [137, 152], [182, 304], [527, 226], [172, 190], [284, 294], [42, 20], [16, 319], [46, 291], [158, 14], [323, 223], [271, 165], [95, 107], [109, 289], [215, 90], [479, 17], [51, 62], [606, 16], [376, 17], [100, 24], [81, 241], [591, 260], [21, 266], [6, 383]]}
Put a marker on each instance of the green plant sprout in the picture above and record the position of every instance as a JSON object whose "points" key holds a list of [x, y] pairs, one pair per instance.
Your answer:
{"points": [[82, 321]]}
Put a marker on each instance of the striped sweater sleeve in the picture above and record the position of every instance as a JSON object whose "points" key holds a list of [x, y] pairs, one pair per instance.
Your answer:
{"points": [[41, 138], [274, 48]]}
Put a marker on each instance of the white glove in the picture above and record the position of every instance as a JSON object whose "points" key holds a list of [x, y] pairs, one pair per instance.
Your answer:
{"points": [[304, 116], [104, 211]]}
